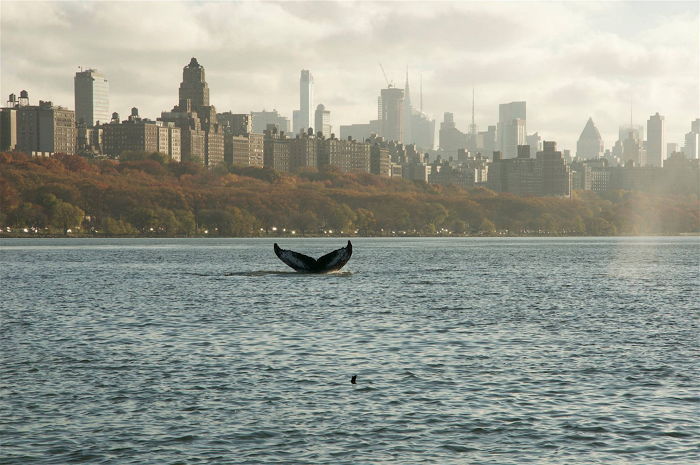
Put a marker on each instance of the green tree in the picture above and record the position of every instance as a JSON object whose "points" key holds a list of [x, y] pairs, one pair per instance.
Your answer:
{"points": [[65, 216], [114, 227]]}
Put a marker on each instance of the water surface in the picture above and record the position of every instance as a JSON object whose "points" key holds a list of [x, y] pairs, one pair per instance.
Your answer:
{"points": [[492, 351]]}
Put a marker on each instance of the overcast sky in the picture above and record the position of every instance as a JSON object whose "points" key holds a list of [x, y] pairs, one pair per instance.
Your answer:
{"points": [[568, 60]]}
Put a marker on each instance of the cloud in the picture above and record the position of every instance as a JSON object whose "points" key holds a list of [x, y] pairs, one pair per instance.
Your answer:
{"points": [[568, 60]]}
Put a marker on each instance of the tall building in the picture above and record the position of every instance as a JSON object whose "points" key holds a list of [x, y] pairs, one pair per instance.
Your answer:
{"points": [[306, 98], [391, 114], [486, 141], [535, 142], [656, 141], [590, 144], [556, 175], [262, 119], [380, 160], [91, 97], [408, 137], [194, 87], [296, 122], [422, 130], [473, 132], [451, 138], [322, 120], [356, 131], [46, 129], [692, 141], [512, 127], [632, 151], [192, 136], [202, 138]]}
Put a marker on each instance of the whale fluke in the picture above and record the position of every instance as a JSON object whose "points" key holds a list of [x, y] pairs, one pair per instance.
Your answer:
{"points": [[332, 261]]}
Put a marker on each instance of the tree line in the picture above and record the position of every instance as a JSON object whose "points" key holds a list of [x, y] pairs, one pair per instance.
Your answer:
{"points": [[145, 195]]}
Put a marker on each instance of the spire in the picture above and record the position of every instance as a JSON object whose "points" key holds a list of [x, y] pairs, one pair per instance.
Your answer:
{"points": [[421, 92], [631, 125], [473, 125], [407, 94]]}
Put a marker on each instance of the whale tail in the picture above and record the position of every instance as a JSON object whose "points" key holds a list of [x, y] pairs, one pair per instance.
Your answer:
{"points": [[332, 261]]}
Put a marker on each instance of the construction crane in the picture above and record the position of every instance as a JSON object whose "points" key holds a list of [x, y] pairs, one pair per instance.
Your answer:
{"points": [[389, 84]]}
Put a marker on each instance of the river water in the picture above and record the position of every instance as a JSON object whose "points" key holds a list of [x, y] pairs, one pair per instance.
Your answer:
{"points": [[489, 351]]}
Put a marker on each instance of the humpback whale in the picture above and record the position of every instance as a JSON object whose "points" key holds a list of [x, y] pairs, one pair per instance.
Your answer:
{"points": [[332, 261]]}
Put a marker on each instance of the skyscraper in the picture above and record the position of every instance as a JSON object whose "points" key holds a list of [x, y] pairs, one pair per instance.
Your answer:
{"points": [[193, 87], [322, 121], [91, 97], [406, 117], [202, 138], [306, 98], [535, 143], [656, 141], [451, 138], [391, 103], [590, 144], [512, 127], [692, 141]]}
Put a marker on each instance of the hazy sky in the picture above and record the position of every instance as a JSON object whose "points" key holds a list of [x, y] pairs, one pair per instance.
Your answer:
{"points": [[568, 60]]}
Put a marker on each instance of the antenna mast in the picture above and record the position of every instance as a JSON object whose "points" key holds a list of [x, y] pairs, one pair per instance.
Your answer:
{"points": [[631, 112], [473, 125]]}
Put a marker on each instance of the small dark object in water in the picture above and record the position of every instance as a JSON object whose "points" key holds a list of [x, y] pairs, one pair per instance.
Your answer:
{"points": [[332, 261], [353, 380]]}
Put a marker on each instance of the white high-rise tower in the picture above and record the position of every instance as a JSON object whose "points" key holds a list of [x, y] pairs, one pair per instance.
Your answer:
{"points": [[306, 98]]}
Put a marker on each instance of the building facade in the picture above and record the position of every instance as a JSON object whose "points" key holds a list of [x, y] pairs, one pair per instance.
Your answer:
{"points": [[546, 175], [656, 141], [303, 151], [306, 99], [91, 91], [236, 124], [244, 150], [323, 121], [276, 150], [132, 135], [45, 129], [692, 141], [391, 115], [262, 119], [451, 138], [590, 144], [512, 127], [202, 137]]}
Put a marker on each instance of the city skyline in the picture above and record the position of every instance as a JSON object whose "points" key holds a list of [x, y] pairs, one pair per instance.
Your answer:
{"points": [[608, 75]]}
